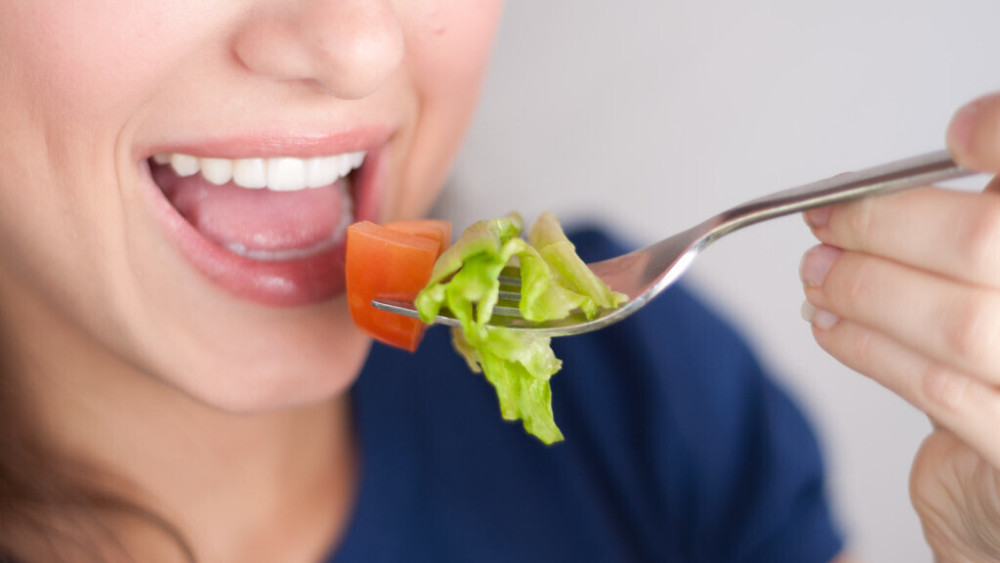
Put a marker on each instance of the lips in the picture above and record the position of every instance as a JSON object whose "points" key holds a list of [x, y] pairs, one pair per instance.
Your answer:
{"points": [[269, 228]]}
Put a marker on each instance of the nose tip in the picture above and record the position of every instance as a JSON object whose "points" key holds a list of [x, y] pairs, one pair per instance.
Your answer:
{"points": [[348, 47], [353, 59]]}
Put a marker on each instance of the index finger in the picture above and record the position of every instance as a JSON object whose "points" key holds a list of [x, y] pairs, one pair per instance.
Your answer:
{"points": [[952, 233]]}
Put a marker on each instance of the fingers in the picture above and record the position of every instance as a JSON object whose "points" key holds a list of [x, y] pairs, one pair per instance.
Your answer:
{"points": [[967, 406], [952, 233], [906, 290], [922, 267], [974, 134], [953, 323]]}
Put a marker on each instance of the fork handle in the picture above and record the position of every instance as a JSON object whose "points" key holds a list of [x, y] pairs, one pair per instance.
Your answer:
{"points": [[894, 176]]}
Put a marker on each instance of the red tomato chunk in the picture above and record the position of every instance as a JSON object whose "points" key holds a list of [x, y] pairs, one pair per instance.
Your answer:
{"points": [[392, 261]]}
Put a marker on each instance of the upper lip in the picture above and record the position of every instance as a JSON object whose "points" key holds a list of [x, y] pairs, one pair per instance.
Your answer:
{"points": [[258, 144]]}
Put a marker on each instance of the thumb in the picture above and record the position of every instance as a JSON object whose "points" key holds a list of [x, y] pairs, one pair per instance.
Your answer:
{"points": [[974, 134]]}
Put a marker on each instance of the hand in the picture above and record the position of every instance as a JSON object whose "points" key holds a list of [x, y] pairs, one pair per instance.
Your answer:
{"points": [[906, 290]]}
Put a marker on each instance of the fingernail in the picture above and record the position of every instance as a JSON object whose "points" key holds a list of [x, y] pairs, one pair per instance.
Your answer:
{"points": [[816, 263], [817, 218], [818, 317], [963, 124]]}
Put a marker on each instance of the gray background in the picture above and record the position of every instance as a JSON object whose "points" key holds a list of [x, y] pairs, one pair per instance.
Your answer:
{"points": [[653, 115]]}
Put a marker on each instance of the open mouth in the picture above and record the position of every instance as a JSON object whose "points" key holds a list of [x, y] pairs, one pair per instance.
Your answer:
{"points": [[263, 208], [271, 229]]}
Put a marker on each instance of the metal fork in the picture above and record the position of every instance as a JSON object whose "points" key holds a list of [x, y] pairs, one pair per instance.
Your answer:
{"points": [[644, 273]]}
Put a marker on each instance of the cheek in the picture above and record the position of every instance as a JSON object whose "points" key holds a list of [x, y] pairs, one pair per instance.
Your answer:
{"points": [[83, 61], [80, 69], [451, 40], [83, 71], [448, 47]]}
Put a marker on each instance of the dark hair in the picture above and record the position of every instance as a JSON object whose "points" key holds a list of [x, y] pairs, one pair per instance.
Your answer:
{"points": [[53, 507]]}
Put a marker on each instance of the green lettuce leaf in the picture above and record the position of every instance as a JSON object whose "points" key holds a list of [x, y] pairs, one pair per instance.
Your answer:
{"points": [[548, 238], [554, 282]]}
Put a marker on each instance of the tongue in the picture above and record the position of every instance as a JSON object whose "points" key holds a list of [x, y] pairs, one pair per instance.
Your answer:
{"points": [[260, 222]]}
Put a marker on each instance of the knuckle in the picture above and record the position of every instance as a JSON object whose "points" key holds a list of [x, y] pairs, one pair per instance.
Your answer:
{"points": [[854, 280], [984, 513], [960, 525], [972, 330], [856, 219], [943, 389], [980, 241], [864, 348]]}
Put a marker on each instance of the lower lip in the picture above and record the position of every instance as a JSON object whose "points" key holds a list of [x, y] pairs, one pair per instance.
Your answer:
{"points": [[279, 283]]}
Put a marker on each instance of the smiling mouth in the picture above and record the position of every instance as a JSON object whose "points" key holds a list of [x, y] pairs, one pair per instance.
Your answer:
{"points": [[265, 209]]}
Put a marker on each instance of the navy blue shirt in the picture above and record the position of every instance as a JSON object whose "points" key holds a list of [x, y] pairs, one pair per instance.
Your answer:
{"points": [[678, 448]]}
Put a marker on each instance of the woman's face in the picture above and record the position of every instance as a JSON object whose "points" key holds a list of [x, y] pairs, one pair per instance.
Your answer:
{"points": [[176, 176]]}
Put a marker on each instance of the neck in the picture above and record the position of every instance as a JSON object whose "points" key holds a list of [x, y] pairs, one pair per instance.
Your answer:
{"points": [[274, 486]]}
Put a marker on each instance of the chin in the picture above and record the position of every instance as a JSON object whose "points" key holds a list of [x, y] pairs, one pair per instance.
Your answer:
{"points": [[293, 369]]}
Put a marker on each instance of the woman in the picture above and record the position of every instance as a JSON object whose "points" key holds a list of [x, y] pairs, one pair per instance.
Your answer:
{"points": [[107, 287], [177, 354]]}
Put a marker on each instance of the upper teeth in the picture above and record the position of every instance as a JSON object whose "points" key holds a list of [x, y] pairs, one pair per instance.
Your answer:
{"points": [[280, 173]]}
